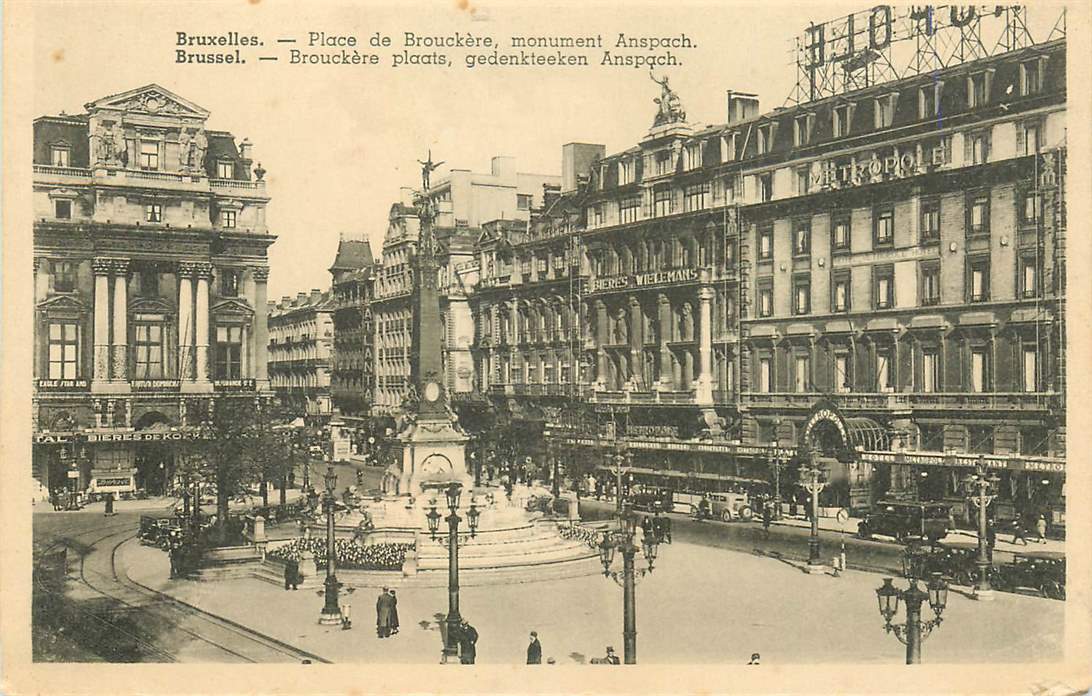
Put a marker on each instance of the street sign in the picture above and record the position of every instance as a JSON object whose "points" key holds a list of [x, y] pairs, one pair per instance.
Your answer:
{"points": [[73, 474], [842, 516]]}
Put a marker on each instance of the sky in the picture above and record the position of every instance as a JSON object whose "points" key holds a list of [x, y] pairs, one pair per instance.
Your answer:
{"points": [[338, 141]]}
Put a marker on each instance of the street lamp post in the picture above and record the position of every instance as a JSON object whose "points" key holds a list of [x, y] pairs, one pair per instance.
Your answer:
{"points": [[811, 480], [621, 458], [914, 632], [777, 463], [982, 487], [331, 612], [453, 619], [622, 539]]}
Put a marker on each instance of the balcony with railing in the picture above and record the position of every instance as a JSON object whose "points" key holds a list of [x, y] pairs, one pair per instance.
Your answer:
{"points": [[948, 401]]}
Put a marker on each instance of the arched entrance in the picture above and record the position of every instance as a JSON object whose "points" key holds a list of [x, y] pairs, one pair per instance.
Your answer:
{"points": [[154, 459], [836, 442]]}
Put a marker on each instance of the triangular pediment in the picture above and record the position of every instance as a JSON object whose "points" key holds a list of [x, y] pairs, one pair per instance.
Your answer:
{"points": [[63, 304], [151, 305], [232, 306], [150, 99]]}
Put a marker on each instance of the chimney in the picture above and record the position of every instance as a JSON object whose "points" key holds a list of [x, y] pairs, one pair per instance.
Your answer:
{"points": [[301, 297], [316, 294], [245, 149], [576, 161], [285, 300], [503, 168], [741, 106]]}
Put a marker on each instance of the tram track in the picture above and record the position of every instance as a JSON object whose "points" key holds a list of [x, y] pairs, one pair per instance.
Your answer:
{"points": [[173, 630]]}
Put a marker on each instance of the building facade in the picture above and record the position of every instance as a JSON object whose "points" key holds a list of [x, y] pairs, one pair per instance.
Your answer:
{"points": [[150, 274], [301, 337], [874, 278], [353, 363]]}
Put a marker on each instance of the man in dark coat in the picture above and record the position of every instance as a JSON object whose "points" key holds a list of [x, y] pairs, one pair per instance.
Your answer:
{"points": [[767, 516], [292, 575], [468, 637], [394, 613], [534, 650], [383, 614]]}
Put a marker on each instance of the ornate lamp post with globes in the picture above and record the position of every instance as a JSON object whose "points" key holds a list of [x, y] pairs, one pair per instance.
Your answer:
{"points": [[331, 612], [982, 489], [452, 493], [914, 631], [812, 480], [623, 539]]}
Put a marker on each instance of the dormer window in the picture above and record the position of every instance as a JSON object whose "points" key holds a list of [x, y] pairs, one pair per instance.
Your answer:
{"points": [[801, 129], [842, 120], [766, 135], [929, 101], [692, 153], [885, 110], [728, 147], [663, 162], [626, 171], [1031, 77], [978, 88], [60, 156], [225, 169], [149, 154]]}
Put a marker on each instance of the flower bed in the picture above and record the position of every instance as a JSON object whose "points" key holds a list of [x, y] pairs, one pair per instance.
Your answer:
{"points": [[584, 534], [351, 556]]}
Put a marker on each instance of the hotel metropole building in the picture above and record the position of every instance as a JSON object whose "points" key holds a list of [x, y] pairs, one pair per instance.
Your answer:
{"points": [[149, 286], [874, 275]]}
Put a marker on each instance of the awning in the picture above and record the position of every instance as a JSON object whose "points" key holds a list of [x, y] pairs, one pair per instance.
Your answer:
{"points": [[866, 434]]}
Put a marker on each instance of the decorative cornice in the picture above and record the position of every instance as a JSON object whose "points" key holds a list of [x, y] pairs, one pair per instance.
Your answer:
{"points": [[203, 271], [102, 267], [119, 267], [186, 269]]}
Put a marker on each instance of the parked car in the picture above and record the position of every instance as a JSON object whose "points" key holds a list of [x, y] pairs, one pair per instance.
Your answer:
{"points": [[1041, 572], [155, 530], [652, 500], [905, 520], [956, 564], [724, 506]]}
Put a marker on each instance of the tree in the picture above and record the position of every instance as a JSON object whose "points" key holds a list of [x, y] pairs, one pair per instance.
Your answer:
{"points": [[225, 451]]}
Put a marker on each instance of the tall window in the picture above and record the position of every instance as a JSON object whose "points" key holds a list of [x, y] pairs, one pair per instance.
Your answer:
{"points": [[229, 282], [840, 296], [842, 375], [60, 156], [978, 148], [927, 101], [1029, 281], [766, 134], [885, 110], [695, 197], [153, 212], [229, 352], [662, 201], [626, 170], [977, 90], [979, 279], [930, 283], [979, 370], [840, 232], [1030, 135], [883, 226], [884, 284], [801, 291], [663, 162], [801, 238], [801, 373], [801, 129], [1031, 369], [692, 155], [842, 117], [148, 283], [765, 243], [1030, 77], [63, 350], [149, 154], [929, 366], [225, 169], [930, 219], [978, 214], [628, 209], [64, 276], [148, 351], [803, 180], [765, 375], [765, 300], [1029, 208], [227, 218], [884, 369], [765, 186]]}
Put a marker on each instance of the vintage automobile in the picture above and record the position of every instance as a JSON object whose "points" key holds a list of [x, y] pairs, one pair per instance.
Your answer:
{"points": [[1039, 572], [651, 500], [723, 506], [956, 564], [155, 530], [905, 520]]}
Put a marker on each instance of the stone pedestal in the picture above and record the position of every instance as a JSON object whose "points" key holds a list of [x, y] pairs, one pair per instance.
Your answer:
{"points": [[432, 451]]}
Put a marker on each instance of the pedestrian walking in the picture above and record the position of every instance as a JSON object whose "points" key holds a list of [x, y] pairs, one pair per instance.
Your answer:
{"points": [[291, 575], [767, 516], [383, 614], [1041, 529], [394, 613], [646, 527], [991, 538], [1018, 533], [534, 650], [468, 639]]}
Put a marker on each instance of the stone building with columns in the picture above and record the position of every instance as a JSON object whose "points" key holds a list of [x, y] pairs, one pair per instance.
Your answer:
{"points": [[301, 337], [875, 279], [150, 274]]}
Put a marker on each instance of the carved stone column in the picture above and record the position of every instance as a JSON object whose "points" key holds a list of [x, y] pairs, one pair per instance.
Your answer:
{"points": [[636, 342], [102, 268], [703, 394], [202, 276], [261, 327], [120, 342], [185, 321], [602, 336], [666, 369]]}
